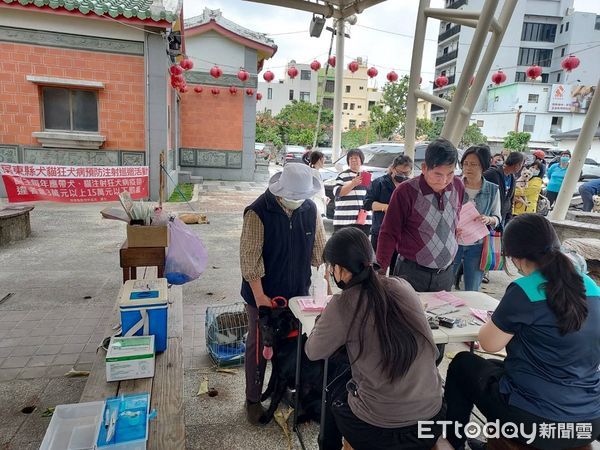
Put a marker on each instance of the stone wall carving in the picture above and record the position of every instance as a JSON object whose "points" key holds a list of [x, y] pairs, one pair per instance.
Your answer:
{"points": [[221, 159], [9, 154]]}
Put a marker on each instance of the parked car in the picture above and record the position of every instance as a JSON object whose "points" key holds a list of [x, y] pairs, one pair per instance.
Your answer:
{"points": [[591, 169], [378, 157], [290, 153], [327, 152], [261, 151]]}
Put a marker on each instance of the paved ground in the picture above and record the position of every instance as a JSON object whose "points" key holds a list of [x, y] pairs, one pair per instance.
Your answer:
{"points": [[65, 279]]}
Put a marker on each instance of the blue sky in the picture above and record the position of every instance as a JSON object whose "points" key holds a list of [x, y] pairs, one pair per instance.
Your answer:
{"points": [[385, 51]]}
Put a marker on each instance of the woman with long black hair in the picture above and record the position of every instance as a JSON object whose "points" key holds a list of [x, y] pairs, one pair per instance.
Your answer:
{"points": [[548, 322], [394, 380]]}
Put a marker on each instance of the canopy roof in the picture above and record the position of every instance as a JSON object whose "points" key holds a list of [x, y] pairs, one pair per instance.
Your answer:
{"points": [[338, 9]]}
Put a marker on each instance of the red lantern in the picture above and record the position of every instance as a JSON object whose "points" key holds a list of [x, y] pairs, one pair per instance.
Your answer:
{"points": [[292, 72], [499, 77], [570, 62], [268, 76], [215, 91], [258, 96], [186, 64], [392, 76], [249, 92], [177, 80], [216, 72], [332, 61], [441, 81], [315, 65], [233, 90], [372, 72], [533, 72], [175, 69], [198, 89], [353, 66], [243, 75], [183, 89]]}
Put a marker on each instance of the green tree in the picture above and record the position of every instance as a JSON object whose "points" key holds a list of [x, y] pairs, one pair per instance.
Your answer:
{"points": [[472, 136], [297, 123], [267, 130], [384, 123], [394, 98], [517, 141], [358, 136], [428, 129]]}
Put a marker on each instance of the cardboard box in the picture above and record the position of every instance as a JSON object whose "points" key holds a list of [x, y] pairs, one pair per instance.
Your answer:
{"points": [[147, 236], [129, 358]]}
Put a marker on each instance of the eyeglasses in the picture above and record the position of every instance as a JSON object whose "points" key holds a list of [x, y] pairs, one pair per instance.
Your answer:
{"points": [[471, 164]]}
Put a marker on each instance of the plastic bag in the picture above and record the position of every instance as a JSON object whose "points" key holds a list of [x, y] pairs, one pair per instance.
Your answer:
{"points": [[186, 255]]}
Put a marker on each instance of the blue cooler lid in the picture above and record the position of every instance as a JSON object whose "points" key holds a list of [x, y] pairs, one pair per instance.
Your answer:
{"points": [[136, 294]]}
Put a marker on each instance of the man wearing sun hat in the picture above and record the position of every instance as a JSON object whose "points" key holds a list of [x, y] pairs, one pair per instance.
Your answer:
{"points": [[282, 236]]}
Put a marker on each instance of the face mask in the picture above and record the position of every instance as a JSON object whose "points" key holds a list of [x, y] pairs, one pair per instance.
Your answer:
{"points": [[535, 173], [291, 204], [400, 178], [564, 159]]}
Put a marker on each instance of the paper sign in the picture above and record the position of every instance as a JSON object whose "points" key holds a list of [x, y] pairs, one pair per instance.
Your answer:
{"points": [[470, 225]]}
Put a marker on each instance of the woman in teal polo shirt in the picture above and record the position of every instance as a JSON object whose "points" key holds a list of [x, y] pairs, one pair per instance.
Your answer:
{"points": [[548, 322], [556, 175]]}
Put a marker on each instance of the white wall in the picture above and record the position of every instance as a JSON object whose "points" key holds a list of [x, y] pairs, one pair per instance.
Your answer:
{"points": [[75, 24], [215, 48]]}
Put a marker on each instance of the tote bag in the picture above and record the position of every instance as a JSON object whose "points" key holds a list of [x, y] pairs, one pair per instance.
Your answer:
{"points": [[491, 253]]}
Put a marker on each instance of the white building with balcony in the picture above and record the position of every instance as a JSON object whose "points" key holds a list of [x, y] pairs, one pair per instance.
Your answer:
{"points": [[541, 32], [279, 93]]}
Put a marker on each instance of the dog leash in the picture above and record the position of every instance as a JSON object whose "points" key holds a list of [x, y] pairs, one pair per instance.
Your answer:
{"points": [[276, 302]]}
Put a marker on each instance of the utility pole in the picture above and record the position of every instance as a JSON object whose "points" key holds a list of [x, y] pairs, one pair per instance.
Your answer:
{"points": [[518, 118]]}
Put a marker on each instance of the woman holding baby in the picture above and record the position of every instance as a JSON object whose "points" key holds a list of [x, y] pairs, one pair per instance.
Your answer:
{"points": [[485, 195]]}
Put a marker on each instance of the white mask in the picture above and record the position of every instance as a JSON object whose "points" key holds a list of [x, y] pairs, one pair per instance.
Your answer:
{"points": [[291, 204], [535, 173]]}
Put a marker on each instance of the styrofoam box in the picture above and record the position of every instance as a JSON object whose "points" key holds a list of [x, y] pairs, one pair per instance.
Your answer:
{"points": [[74, 427]]}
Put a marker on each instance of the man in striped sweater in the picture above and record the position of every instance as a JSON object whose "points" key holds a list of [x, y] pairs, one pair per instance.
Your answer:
{"points": [[350, 196]]}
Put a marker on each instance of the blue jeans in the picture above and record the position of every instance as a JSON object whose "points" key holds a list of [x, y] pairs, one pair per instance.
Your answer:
{"points": [[587, 191], [470, 257]]}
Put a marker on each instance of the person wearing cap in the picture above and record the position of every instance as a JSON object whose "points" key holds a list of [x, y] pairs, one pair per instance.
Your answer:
{"points": [[540, 156], [282, 236]]}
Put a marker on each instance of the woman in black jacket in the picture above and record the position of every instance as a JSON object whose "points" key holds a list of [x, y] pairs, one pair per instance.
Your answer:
{"points": [[504, 177]]}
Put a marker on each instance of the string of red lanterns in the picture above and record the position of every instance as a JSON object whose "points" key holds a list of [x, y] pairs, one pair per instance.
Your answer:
{"points": [[292, 72]]}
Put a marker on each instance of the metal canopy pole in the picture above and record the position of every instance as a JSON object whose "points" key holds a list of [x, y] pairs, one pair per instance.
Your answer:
{"points": [[337, 92], [410, 125], [484, 68], [481, 32], [582, 148]]}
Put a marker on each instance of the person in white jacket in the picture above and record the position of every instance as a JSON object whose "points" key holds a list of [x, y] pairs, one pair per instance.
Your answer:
{"points": [[316, 162]]}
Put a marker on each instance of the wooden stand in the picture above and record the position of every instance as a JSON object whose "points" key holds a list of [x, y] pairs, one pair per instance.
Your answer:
{"points": [[132, 258]]}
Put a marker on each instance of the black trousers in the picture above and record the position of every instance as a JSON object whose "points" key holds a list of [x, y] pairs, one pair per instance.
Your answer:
{"points": [[423, 280], [374, 238], [364, 228], [340, 422], [551, 196], [474, 381]]}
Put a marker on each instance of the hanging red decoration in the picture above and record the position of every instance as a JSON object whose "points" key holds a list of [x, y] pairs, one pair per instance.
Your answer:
{"points": [[392, 76], [249, 92], [243, 75], [233, 90], [353, 66], [372, 72], [570, 62], [216, 72], [499, 77], [315, 65], [198, 89], [215, 91], [175, 69], [332, 61], [183, 89], [268, 76], [187, 64], [258, 96], [441, 81], [292, 72], [177, 80], [534, 72]]}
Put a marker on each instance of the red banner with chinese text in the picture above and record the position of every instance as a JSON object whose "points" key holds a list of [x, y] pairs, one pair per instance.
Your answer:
{"points": [[72, 184]]}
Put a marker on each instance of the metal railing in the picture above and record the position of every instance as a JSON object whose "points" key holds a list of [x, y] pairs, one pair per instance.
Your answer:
{"points": [[457, 4], [447, 57], [451, 32]]}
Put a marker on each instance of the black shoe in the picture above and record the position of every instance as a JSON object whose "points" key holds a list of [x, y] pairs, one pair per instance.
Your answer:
{"points": [[254, 411], [476, 444]]}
